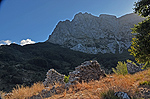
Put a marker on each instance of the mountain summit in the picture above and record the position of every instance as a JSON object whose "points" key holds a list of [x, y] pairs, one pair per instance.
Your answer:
{"points": [[92, 34]]}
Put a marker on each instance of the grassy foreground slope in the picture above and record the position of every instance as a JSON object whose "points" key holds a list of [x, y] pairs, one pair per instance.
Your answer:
{"points": [[29, 64], [136, 85]]}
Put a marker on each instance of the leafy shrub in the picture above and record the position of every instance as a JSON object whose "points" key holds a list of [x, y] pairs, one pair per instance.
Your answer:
{"points": [[121, 68], [110, 94], [66, 79], [145, 83], [129, 61]]}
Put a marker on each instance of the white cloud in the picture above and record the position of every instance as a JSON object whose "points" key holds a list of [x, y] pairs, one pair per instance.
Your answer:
{"points": [[25, 42], [1, 44], [7, 42]]}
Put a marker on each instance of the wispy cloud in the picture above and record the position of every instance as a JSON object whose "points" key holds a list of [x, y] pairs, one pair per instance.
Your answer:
{"points": [[3, 42], [27, 41]]}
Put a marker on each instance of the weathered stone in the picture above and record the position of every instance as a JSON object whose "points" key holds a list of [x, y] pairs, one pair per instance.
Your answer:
{"points": [[91, 34], [122, 95], [87, 71], [132, 68], [53, 77]]}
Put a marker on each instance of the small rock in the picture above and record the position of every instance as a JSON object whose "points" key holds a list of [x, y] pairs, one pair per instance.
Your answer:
{"points": [[122, 95], [132, 68]]}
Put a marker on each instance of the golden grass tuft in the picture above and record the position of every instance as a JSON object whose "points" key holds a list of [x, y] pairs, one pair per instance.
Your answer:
{"points": [[24, 92]]}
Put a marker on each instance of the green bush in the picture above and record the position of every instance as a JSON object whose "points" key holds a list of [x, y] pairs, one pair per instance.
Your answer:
{"points": [[110, 94], [66, 79], [145, 83], [121, 68], [129, 61]]}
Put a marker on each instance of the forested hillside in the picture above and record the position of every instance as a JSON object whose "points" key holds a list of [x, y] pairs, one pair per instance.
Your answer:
{"points": [[28, 64]]}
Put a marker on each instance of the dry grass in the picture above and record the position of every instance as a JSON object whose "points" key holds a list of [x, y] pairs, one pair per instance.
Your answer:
{"points": [[24, 92], [94, 89]]}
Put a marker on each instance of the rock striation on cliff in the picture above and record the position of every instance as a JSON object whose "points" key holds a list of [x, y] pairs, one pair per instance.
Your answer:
{"points": [[92, 34]]}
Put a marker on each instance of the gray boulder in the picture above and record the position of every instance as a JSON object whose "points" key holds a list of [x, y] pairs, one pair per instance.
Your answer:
{"points": [[132, 68], [122, 95], [87, 71]]}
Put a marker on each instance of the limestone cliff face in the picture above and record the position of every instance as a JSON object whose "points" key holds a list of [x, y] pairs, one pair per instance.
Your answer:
{"points": [[91, 34]]}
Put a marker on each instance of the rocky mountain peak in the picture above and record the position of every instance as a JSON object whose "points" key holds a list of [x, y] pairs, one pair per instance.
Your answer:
{"points": [[106, 16], [91, 34], [81, 15]]}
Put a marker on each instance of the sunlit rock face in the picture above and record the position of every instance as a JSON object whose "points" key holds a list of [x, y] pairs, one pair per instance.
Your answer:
{"points": [[92, 34], [87, 71]]}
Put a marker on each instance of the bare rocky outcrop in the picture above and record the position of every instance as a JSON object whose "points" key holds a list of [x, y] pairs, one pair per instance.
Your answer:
{"points": [[132, 68], [53, 77], [87, 71], [92, 34]]}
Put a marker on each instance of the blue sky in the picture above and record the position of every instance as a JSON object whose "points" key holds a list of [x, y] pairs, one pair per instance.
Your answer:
{"points": [[34, 20]]}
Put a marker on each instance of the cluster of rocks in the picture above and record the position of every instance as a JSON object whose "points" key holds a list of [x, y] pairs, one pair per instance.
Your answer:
{"points": [[87, 71], [133, 68], [53, 77]]}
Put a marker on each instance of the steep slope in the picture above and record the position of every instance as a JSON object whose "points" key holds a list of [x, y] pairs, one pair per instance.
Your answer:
{"points": [[137, 86], [91, 34], [28, 64]]}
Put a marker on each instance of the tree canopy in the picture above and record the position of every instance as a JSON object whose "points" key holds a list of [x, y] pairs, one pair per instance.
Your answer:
{"points": [[140, 47], [142, 7]]}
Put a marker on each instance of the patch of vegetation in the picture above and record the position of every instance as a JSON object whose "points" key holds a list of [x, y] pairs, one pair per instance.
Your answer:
{"points": [[121, 68], [140, 47], [110, 94], [145, 83], [129, 61], [66, 79]]}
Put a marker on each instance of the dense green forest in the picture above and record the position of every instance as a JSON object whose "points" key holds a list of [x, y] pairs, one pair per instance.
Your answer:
{"points": [[28, 64]]}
